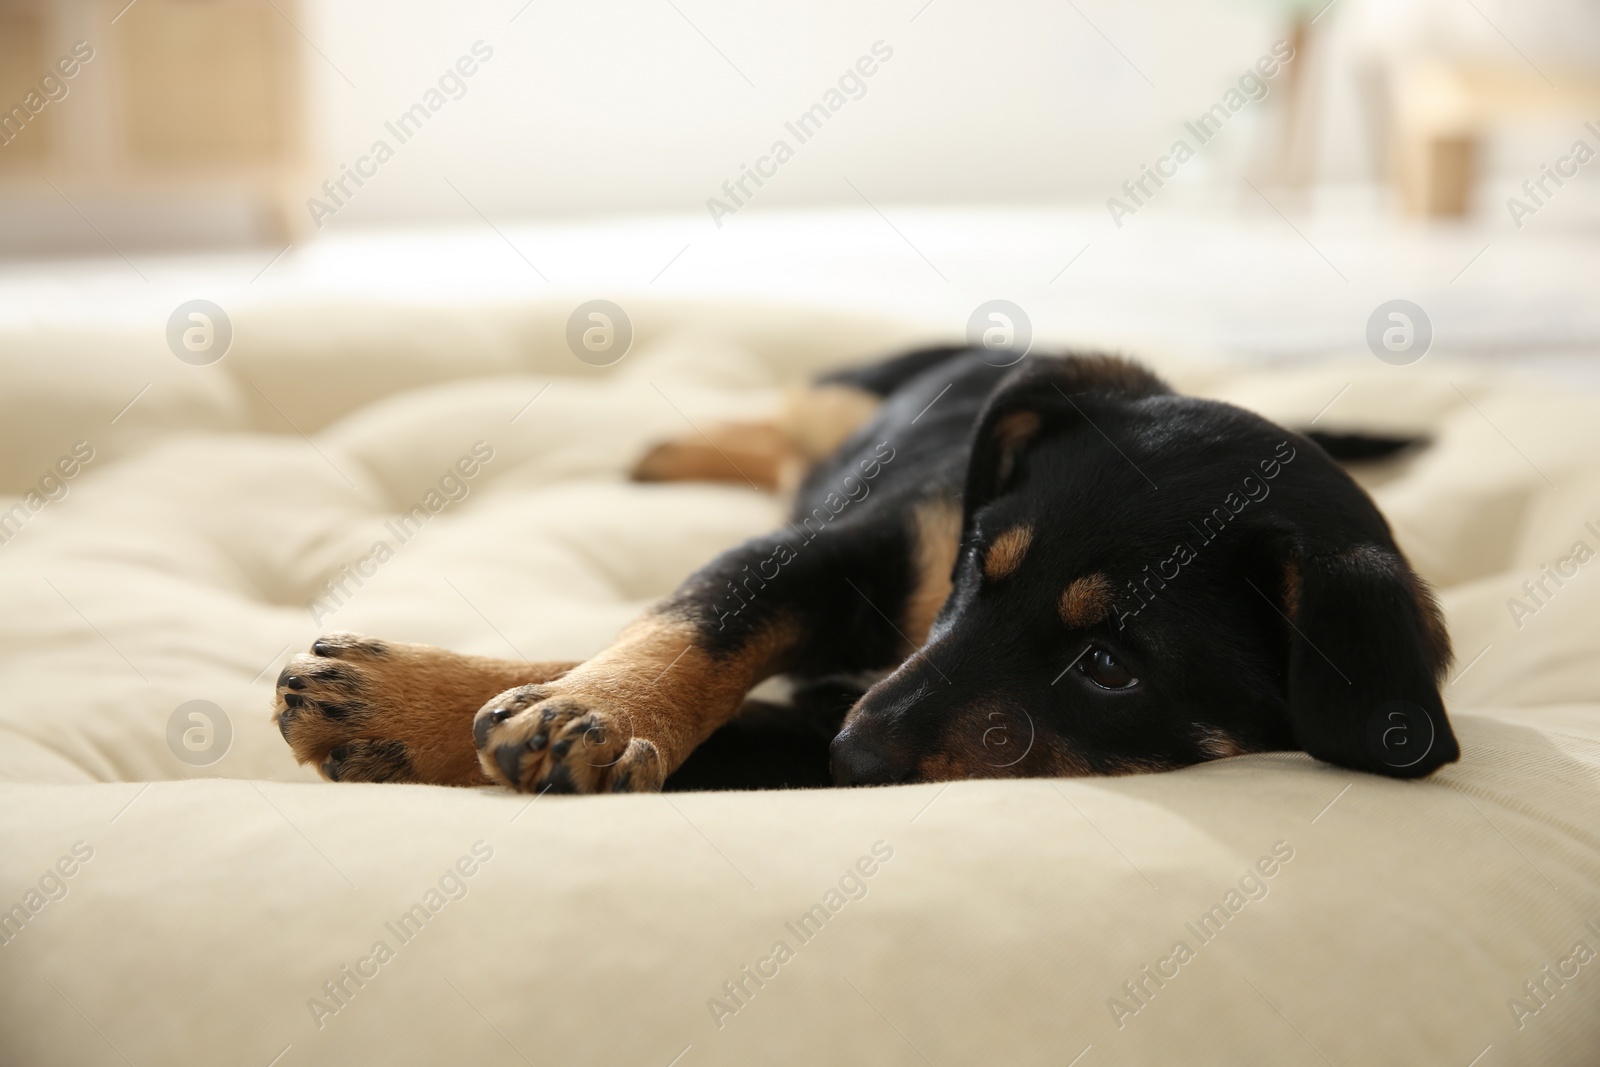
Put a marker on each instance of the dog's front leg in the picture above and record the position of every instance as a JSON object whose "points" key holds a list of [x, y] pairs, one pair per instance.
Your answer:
{"points": [[624, 720], [363, 710]]}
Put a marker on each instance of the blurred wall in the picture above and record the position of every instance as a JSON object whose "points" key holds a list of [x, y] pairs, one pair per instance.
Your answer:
{"points": [[650, 105], [548, 109]]}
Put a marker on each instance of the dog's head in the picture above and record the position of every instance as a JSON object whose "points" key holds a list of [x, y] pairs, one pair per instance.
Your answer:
{"points": [[1146, 581]]}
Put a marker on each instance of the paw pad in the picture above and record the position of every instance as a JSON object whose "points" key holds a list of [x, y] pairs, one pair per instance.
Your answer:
{"points": [[561, 744]]}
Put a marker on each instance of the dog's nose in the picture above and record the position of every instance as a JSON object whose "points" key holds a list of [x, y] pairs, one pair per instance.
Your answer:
{"points": [[857, 759]]}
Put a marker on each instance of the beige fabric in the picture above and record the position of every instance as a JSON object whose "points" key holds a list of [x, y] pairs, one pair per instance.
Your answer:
{"points": [[189, 555]]}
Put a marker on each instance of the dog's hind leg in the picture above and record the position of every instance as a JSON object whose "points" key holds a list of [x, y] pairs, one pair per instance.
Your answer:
{"points": [[773, 454]]}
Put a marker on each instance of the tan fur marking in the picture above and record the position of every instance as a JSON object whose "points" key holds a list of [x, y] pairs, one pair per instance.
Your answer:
{"points": [[1291, 590], [1137, 765], [1057, 759], [937, 536], [993, 740], [1015, 429], [420, 696], [773, 454], [1010, 434], [655, 684], [1216, 744], [730, 452], [1005, 554], [1087, 601], [677, 694], [818, 419], [940, 768]]}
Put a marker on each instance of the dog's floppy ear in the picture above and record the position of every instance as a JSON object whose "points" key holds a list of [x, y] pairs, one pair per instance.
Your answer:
{"points": [[1042, 393], [1367, 650]]}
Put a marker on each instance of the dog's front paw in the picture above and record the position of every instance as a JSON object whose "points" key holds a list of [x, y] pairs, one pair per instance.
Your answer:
{"points": [[325, 710], [362, 710], [537, 740]]}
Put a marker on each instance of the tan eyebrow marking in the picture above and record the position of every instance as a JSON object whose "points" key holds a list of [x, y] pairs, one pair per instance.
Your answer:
{"points": [[937, 542], [1010, 434], [1005, 555], [1217, 744], [1291, 589], [1015, 428], [1086, 601]]}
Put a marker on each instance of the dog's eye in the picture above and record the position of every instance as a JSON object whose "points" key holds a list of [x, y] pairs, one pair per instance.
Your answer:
{"points": [[1106, 670]]}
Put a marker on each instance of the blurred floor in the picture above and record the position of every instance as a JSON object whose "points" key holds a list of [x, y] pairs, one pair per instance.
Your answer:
{"points": [[1252, 286]]}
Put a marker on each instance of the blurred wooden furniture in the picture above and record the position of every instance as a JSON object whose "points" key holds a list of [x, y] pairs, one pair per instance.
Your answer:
{"points": [[1444, 109], [183, 99]]}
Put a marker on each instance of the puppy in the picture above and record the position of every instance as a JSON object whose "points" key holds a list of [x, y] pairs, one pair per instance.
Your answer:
{"points": [[1061, 568]]}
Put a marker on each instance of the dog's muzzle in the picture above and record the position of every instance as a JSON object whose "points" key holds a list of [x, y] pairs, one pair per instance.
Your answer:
{"points": [[862, 755]]}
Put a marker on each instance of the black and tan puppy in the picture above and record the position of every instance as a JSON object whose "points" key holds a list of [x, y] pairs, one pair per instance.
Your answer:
{"points": [[1061, 568]]}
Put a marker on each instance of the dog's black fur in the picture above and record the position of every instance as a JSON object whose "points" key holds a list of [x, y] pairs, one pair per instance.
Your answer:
{"points": [[1238, 591], [1061, 568]]}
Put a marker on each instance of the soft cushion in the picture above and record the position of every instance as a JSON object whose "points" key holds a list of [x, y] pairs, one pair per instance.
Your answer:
{"points": [[232, 512]]}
